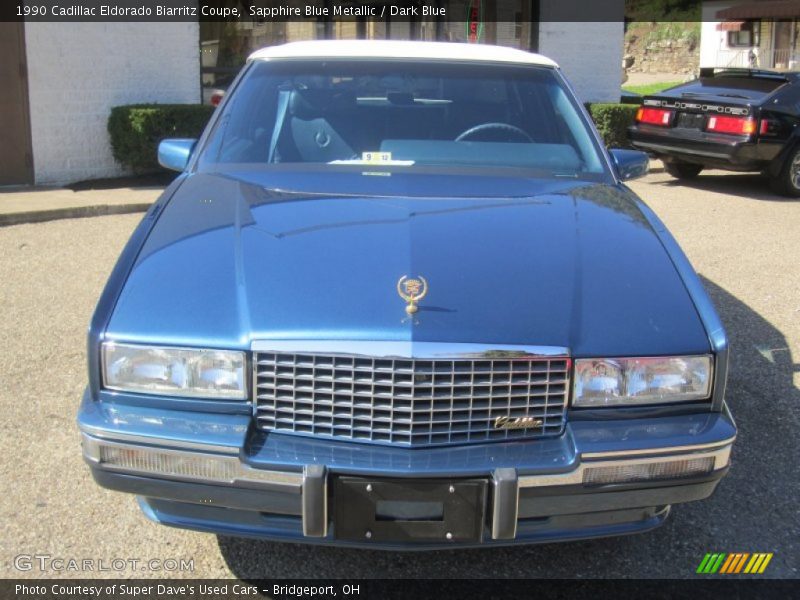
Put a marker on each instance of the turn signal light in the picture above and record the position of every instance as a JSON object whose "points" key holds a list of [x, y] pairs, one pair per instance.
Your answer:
{"points": [[173, 463], [674, 469], [654, 116], [169, 464], [735, 125]]}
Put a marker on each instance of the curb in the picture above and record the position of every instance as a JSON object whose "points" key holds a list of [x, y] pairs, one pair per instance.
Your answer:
{"points": [[72, 212]]}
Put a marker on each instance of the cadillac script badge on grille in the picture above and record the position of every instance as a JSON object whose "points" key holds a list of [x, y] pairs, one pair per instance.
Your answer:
{"points": [[412, 291], [517, 423]]}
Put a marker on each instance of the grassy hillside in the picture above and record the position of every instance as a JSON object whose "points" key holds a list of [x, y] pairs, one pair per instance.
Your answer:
{"points": [[639, 11]]}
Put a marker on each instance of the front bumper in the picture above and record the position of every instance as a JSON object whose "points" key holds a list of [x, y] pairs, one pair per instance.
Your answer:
{"points": [[280, 487]]}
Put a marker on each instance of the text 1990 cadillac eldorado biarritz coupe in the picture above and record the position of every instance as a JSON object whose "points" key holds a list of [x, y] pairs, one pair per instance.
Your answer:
{"points": [[399, 297]]}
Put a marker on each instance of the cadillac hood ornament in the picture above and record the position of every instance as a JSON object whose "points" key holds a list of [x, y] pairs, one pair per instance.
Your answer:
{"points": [[412, 291]]}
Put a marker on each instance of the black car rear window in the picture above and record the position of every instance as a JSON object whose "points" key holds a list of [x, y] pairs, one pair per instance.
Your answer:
{"points": [[722, 84]]}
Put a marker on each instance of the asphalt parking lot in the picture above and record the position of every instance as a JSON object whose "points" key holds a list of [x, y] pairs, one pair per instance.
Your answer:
{"points": [[744, 242]]}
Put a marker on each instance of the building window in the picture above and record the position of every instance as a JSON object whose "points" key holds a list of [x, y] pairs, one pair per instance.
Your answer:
{"points": [[747, 36]]}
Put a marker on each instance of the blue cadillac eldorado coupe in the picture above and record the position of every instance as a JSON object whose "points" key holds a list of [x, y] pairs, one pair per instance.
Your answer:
{"points": [[399, 297]]}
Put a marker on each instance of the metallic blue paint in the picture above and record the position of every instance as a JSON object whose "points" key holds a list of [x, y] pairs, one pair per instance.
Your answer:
{"points": [[551, 455], [235, 257], [284, 528], [110, 419], [630, 164], [287, 452], [294, 253], [174, 153], [116, 281], [714, 328]]}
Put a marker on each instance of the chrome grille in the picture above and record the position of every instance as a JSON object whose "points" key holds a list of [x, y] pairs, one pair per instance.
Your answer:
{"points": [[408, 402]]}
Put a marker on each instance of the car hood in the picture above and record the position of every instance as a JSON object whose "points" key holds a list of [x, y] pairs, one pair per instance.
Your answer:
{"points": [[235, 257]]}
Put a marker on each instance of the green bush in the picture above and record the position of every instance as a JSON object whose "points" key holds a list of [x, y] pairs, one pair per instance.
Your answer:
{"points": [[612, 121], [136, 130]]}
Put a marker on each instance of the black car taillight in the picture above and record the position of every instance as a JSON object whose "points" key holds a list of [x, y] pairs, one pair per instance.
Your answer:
{"points": [[654, 116], [769, 127], [734, 125]]}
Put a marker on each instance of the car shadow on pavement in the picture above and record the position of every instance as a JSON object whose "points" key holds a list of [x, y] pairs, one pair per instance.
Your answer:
{"points": [[746, 185], [754, 508]]}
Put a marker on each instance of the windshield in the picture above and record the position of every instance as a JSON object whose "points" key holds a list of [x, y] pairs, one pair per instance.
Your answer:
{"points": [[405, 116]]}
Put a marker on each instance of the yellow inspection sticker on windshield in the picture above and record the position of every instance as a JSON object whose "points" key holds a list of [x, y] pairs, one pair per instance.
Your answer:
{"points": [[376, 157]]}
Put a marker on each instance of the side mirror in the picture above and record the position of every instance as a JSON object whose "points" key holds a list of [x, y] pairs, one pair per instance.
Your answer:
{"points": [[630, 164], [174, 153]]}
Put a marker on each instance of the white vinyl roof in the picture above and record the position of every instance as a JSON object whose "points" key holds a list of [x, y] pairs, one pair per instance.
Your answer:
{"points": [[398, 49]]}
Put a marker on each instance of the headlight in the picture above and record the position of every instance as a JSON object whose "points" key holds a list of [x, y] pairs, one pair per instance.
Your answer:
{"points": [[634, 381], [196, 373]]}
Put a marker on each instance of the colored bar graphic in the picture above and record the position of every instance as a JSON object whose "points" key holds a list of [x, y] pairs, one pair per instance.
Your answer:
{"points": [[740, 564], [704, 563], [729, 563], [767, 558], [755, 561], [711, 563], [734, 563], [716, 565]]}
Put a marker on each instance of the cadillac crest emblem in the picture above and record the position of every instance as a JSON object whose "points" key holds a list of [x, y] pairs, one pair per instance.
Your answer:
{"points": [[412, 291]]}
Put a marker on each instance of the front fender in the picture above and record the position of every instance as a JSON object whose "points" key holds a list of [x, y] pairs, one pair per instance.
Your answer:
{"points": [[110, 295]]}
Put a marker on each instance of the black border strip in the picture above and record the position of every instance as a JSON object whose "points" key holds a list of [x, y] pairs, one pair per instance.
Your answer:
{"points": [[711, 587], [322, 11]]}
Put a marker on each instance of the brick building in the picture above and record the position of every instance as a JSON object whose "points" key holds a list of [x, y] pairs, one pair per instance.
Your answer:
{"points": [[62, 79]]}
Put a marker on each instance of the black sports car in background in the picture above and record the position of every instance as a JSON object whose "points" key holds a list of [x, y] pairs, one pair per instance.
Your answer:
{"points": [[734, 119]]}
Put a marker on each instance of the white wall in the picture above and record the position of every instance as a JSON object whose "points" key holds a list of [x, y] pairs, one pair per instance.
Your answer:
{"points": [[711, 40], [589, 53], [78, 71]]}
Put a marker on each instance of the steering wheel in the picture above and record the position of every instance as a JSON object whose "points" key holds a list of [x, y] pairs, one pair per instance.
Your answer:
{"points": [[505, 127]]}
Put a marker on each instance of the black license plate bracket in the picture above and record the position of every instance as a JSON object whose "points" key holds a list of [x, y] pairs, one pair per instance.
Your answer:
{"points": [[690, 120], [398, 510]]}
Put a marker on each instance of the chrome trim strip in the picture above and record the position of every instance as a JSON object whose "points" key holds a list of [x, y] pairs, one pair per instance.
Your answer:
{"points": [[315, 501], [667, 451], [118, 436], [728, 414], [390, 349], [284, 481], [505, 504], [575, 477], [720, 342]]}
